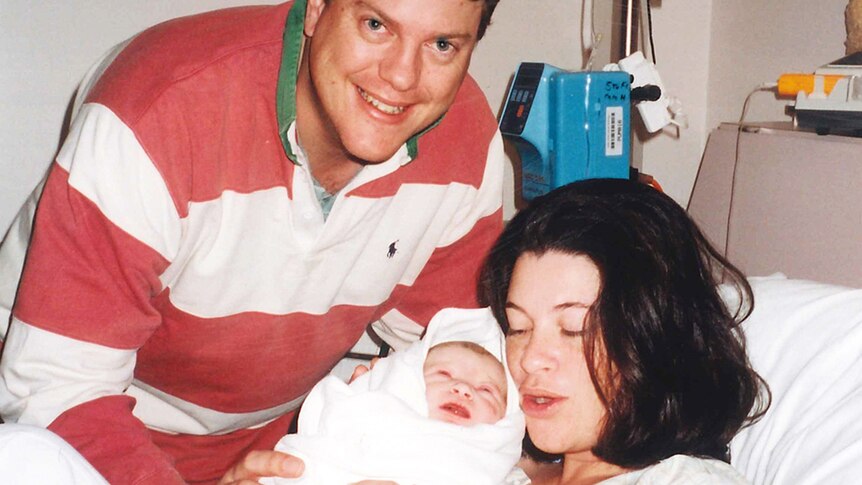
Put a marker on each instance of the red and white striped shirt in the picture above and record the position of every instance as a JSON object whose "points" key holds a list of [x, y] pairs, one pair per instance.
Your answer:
{"points": [[183, 291]]}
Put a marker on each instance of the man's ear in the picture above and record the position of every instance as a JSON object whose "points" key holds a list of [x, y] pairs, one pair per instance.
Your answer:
{"points": [[313, 10]]}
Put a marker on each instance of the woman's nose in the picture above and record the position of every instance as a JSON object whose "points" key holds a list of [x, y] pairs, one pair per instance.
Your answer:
{"points": [[462, 389], [538, 354]]}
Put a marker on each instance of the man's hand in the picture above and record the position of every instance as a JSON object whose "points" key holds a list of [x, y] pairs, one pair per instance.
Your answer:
{"points": [[361, 369], [263, 463]]}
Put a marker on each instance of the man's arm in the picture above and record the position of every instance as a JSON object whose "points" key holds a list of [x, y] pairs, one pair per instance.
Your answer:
{"points": [[101, 239]]}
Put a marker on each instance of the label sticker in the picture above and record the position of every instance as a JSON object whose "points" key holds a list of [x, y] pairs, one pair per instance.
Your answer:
{"points": [[613, 131]]}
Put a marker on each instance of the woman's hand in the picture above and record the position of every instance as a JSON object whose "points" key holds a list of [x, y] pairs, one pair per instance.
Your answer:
{"points": [[263, 463]]}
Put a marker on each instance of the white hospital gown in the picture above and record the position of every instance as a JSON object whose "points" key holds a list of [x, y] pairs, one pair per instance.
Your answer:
{"points": [[681, 470]]}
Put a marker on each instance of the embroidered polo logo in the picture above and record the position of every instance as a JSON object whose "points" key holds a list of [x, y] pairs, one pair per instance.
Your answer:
{"points": [[392, 249]]}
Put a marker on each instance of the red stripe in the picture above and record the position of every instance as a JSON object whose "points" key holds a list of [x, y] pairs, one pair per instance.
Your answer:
{"points": [[205, 459], [249, 361], [115, 443], [199, 95], [85, 278]]}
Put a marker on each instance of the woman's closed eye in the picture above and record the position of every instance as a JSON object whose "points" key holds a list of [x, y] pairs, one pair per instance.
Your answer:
{"points": [[514, 332], [572, 333]]}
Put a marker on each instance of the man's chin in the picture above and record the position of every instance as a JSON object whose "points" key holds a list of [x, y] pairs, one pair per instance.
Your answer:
{"points": [[373, 157]]}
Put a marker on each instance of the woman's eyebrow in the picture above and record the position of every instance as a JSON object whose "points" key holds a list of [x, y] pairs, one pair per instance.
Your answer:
{"points": [[571, 304], [514, 306]]}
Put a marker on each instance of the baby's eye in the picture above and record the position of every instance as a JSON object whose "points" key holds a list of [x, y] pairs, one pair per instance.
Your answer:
{"points": [[444, 373]]}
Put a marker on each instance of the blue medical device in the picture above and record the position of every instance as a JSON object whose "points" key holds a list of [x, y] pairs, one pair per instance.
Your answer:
{"points": [[568, 126]]}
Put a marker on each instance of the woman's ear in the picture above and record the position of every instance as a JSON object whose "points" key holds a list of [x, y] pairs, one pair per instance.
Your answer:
{"points": [[313, 10]]}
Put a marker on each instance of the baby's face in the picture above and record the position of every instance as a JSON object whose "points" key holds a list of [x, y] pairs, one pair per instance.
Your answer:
{"points": [[463, 386]]}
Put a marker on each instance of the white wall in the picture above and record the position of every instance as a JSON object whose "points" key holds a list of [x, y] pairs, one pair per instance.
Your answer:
{"points": [[756, 41], [712, 53], [682, 38]]}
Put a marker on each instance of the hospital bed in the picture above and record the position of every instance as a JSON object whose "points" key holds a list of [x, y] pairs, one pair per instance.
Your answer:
{"points": [[786, 207]]}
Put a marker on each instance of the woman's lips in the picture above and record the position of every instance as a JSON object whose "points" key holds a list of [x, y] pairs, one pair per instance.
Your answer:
{"points": [[539, 404]]}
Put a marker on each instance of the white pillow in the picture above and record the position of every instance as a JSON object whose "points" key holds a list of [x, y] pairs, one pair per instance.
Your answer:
{"points": [[805, 339]]}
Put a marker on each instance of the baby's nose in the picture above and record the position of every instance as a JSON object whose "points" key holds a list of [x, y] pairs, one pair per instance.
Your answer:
{"points": [[463, 389]]}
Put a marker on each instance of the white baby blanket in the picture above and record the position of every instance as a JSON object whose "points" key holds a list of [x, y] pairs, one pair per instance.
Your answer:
{"points": [[377, 427]]}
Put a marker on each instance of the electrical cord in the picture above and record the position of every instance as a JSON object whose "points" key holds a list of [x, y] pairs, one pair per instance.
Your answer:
{"points": [[649, 29], [589, 37], [761, 87]]}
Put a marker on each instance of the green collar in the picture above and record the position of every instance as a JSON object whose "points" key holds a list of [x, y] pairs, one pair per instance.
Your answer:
{"points": [[291, 50], [286, 92]]}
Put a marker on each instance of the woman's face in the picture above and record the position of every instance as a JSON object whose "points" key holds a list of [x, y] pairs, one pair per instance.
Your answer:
{"points": [[549, 297]]}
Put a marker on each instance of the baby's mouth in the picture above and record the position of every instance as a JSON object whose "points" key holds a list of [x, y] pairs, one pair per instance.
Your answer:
{"points": [[380, 105], [456, 410]]}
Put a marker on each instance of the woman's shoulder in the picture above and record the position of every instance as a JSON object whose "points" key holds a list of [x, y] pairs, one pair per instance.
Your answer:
{"points": [[682, 470]]}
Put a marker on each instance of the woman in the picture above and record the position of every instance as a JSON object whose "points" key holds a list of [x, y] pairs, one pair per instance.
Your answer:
{"points": [[629, 364]]}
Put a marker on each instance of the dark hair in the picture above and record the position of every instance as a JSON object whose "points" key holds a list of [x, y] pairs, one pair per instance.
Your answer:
{"points": [[488, 7], [665, 354]]}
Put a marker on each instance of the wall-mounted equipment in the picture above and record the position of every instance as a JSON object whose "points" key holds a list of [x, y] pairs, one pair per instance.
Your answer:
{"points": [[830, 99], [568, 126]]}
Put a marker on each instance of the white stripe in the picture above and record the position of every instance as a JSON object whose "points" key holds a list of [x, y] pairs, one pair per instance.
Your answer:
{"points": [[109, 167], [248, 252], [13, 251], [43, 374], [169, 414]]}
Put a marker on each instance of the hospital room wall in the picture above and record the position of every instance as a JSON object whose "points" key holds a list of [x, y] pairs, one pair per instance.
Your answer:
{"points": [[710, 52]]}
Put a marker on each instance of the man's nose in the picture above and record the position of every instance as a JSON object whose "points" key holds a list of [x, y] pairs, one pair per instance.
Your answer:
{"points": [[402, 66]]}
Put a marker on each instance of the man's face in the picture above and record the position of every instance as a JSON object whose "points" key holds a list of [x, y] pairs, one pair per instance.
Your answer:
{"points": [[382, 70], [464, 387]]}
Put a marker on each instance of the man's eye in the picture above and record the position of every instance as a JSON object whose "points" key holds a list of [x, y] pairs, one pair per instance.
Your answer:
{"points": [[443, 45], [374, 24]]}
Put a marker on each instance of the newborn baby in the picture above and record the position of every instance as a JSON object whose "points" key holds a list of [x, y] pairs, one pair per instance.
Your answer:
{"points": [[443, 411], [464, 384]]}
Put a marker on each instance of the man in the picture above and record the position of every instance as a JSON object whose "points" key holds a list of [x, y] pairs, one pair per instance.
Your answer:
{"points": [[236, 201]]}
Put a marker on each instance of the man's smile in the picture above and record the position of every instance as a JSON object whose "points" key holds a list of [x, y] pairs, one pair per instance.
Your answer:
{"points": [[380, 105]]}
